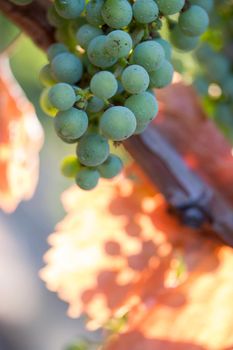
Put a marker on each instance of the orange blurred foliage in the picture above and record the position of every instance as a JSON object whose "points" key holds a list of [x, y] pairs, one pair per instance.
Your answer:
{"points": [[21, 138], [119, 251]]}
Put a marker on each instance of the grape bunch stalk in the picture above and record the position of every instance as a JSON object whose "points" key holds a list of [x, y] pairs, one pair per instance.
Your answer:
{"points": [[99, 81]]}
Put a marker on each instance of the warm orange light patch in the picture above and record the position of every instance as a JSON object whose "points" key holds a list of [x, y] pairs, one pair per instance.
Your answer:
{"points": [[20, 141]]}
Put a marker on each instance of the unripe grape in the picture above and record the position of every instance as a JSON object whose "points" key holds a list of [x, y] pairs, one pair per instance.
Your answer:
{"points": [[104, 85], [194, 21], [162, 76], [144, 106], [67, 68], [111, 167], [149, 54], [21, 2], [135, 79], [93, 12], [205, 4], [45, 76], [69, 8], [170, 7], [62, 96], [86, 33], [92, 149], [70, 125], [182, 41], [97, 53], [45, 104], [95, 105], [118, 44], [117, 123], [145, 11], [218, 67], [140, 128], [56, 49], [70, 166], [166, 47], [117, 13], [54, 18], [87, 179]]}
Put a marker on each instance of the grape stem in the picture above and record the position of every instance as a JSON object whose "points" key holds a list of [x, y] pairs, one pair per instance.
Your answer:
{"points": [[195, 200]]}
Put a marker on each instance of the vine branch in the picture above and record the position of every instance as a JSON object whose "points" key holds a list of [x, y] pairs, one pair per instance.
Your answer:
{"points": [[205, 200]]}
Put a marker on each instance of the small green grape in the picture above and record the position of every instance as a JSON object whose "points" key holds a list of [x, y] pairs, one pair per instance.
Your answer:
{"points": [[86, 33], [69, 9], [182, 41], [97, 53], [92, 149], [170, 7], [62, 96], [145, 11], [117, 13], [70, 166], [56, 49], [111, 167], [162, 76], [87, 179], [117, 123], [118, 44], [67, 68], [95, 105], [104, 85], [70, 125], [144, 106], [166, 47], [93, 12], [140, 128], [149, 54], [135, 79], [45, 76], [205, 4], [194, 21], [45, 104]]}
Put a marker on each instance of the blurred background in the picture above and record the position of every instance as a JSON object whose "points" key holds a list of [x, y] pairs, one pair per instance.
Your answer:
{"points": [[32, 318]]}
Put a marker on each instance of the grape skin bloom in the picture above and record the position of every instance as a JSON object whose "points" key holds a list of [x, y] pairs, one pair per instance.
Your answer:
{"points": [[67, 68], [117, 13], [62, 96], [104, 85], [149, 54], [144, 106], [92, 150], [135, 79], [145, 11]]}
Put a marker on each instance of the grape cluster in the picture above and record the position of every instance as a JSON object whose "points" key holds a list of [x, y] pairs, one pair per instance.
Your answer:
{"points": [[98, 81], [215, 79]]}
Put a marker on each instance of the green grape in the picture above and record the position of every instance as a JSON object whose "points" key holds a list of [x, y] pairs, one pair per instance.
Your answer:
{"points": [[205, 4], [97, 53], [144, 106], [140, 128], [201, 85], [21, 2], [54, 18], [70, 166], [145, 11], [203, 52], [45, 76], [117, 123], [118, 44], [93, 12], [170, 7], [194, 21], [92, 149], [166, 47], [69, 9], [111, 167], [95, 105], [45, 104], [87, 179], [70, 125], [117, 13], [149, 54], [182, 41], [162, 76], [104, 85], [67, 68], [56, 49], [86, 33], [135, 79], [62, 96]]}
